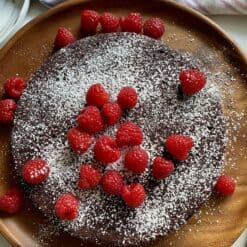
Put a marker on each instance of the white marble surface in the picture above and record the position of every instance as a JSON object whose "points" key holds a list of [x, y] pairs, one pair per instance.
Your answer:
{"points": [[236, 26]]}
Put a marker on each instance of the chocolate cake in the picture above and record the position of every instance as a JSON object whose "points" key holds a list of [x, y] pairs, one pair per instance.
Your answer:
{"points": [[56, 94]]}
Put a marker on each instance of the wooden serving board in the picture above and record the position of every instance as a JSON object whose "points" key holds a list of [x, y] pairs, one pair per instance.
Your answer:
{"points": [[220, 221]]}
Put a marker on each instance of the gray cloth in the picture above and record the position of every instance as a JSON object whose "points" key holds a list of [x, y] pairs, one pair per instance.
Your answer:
{"points": [[207, 7]]}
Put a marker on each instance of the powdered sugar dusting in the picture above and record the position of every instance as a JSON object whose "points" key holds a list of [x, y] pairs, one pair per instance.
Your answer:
{"points": [[55, 96]]}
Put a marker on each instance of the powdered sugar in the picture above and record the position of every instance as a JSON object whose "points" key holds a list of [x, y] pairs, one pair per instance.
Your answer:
{"points": [[56, 94]]}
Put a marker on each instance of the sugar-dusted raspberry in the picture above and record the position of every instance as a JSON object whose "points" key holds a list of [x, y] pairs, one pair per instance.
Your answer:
{"points": [[63, 38], [129, 134], [136, 160], [154, 28], [97, 95], [162, 168], [90, 120], [14, 87], [35, 171], [109, 22], [79, 141], [90, 176], [67, 207], [192, 81], [132, 23], [106, 150], [127, 98], [111, 113], [112, 182], [7, 111], [11, 201], [179, 146], [133, 195], [225, 185], [89, 21]]}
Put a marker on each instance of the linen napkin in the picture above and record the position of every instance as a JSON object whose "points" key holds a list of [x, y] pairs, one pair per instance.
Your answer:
{"points": [[218, 7], [207, 7]]}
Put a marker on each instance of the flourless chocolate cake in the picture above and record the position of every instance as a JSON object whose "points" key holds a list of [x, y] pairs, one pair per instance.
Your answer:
{"points": [[54, 97]]}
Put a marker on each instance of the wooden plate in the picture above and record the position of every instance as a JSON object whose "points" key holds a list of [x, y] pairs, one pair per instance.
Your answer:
{"points": [[220, 221]]}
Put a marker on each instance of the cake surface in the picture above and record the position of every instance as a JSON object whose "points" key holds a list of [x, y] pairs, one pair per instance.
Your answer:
{"points": [[55, 96]]}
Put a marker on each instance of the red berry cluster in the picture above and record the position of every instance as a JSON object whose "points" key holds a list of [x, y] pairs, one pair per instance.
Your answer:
{"points": [[91, 21], [179, 147], [99, 113], [13, 88]]}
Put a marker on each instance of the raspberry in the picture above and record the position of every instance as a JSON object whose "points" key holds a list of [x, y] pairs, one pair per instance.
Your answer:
{"points": [[109, 22], [179, 146], [127, 98], [112, 182], [89, 21], [162, 168], [154, 28], [129, 134], [225, 185], [90, 120], [106, 150], [97, 95], [7, 110], [132, 23], [79, 141], [111, 113], [14, 87], [136, 160], [89, 177], [192, 81], [35, 171], [63, 38], [67, 207], [133, 195], [12, 201]]}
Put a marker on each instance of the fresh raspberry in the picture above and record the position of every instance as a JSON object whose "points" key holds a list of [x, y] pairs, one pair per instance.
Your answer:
{"points": [[132, 23], [127, 98], [136, 160], [89, 177], [111, 113], [225, 185], [35, 171], [63, 38], [133, 195], [67, 207], [89, 21], [12, 201], [97, 95], [192, 81], [7, 110], [162, 168], [106, 150], [90, 120], [79, 141], [14, 87], [154, 28], [179, 146], [129, 134], [112, 182], [109, 22]]}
